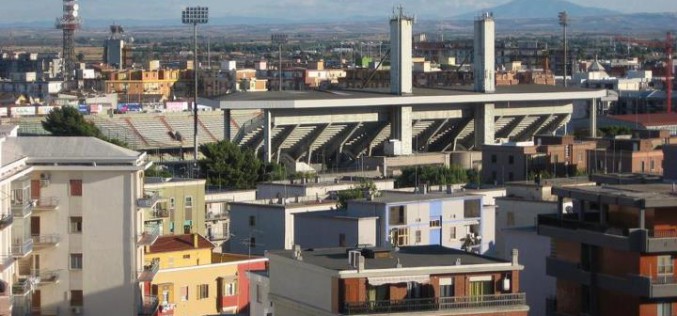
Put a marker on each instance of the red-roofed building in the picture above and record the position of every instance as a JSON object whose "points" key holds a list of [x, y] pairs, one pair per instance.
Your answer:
{"points": [[654, 121]]}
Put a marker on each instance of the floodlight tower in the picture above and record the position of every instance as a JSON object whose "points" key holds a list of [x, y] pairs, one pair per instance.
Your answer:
{"points": [[195, 16], [69, 22], [564, 22], [279, 39]]}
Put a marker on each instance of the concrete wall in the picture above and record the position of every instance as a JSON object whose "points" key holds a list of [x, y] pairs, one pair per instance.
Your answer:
{"points": [[669, 165], [311, 188], [260, 303], [300, 282], [324, 231], [178, 214]]}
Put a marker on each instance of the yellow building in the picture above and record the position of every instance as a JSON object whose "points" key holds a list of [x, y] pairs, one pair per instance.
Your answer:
{"points": [[194, 281], [181, 209], [140, 82]]}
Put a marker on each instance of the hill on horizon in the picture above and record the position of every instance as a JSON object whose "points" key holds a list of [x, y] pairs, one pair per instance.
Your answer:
{"points": [[536, 9]]}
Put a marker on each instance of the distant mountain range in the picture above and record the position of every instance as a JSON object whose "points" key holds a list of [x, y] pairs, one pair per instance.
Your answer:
{"points": [[537, 9]]}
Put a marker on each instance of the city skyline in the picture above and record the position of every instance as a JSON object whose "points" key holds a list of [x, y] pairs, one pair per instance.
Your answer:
{"points": [[39, 10]]}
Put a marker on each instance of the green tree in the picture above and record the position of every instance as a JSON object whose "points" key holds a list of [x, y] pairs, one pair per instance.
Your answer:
{"points": [[615, 130], [357, 192], [227, 165], [432, 175], [68, 121]]}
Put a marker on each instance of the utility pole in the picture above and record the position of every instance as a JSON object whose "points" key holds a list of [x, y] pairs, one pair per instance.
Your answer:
{"points": [[279, 39]]}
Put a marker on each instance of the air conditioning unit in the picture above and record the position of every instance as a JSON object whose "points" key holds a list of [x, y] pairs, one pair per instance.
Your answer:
{"points": [[77, 310]]}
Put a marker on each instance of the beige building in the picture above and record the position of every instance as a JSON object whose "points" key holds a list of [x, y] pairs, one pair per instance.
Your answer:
{"points": [[77, 234], [181, 206]]}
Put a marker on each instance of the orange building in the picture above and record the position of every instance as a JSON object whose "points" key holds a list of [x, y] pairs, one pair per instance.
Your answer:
{"points": [[142, 82]]}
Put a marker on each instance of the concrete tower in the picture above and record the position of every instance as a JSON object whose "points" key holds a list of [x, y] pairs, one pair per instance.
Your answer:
{"points": [[400, 53], [69, 22], [484, 65], [113, 53]]}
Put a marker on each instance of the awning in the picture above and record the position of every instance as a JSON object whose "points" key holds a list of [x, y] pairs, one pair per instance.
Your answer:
{"points": [[376, 281]]}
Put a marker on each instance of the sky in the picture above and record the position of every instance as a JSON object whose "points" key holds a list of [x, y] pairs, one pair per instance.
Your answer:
{"points": [[38, 10]]}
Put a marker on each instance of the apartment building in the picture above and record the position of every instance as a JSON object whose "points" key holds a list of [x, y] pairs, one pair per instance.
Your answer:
{"points": [[515, 161], [192, 280], [142, 82], [181, 206], [217, 216], [79, 195], [637, 153], [613, 252], [418, 280]]}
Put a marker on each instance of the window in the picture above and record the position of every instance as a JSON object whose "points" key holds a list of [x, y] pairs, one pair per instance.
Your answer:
{"points": [[252, 242], [231, 288], [400, 236], [396, 215], [342, 240], [510, 220], [75, 224], [493, 158], [435, 223], [446, 287], [76, 298], [186, 256], [184, 293], [651, 165], [76, 261], [580, 157], [511, 159], [172, 203], [452, 233], [418, 236], [258, 293], [471, 208], [189, 201], [202, 291], [665, 266], [664, 309], [511, 176], [252, 221], [76, 187]]}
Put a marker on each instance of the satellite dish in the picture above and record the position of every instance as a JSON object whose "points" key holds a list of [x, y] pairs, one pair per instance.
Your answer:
{"points": [[76, 7], [75, 14]]}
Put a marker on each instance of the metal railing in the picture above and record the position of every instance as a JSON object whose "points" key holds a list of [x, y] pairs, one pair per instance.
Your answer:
{"points": [[22, 209], [149, 235], [22, 247], [21, 287], [6, 261], [663, 233], [664, 279], [159, 213], [45, 276], [217, 215], [46, 203], [589, 222], [149, 304], [46, 240], [434, 303], [149, 271], [149, 199], [6, 220]]}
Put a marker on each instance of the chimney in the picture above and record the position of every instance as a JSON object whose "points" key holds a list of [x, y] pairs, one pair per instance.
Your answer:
{"points": [[515, 255], [401, 63], [484, 60], [297, 253], [195, 240]]}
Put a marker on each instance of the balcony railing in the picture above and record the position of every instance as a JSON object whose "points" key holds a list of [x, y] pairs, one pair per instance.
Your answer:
{"points": [[166, 309], [6, 220], [434, 303], [149, 236], [22, 247], [45, 241], [44, 277], [664, 279], [22, 287], [149, 271], [46, 204], [158, 213], [149, 306], [148, 200], [22, 209], [6, 261], [213, 216]]}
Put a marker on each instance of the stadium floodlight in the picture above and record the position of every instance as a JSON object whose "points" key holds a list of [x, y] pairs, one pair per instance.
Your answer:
{"points": [[195, 16], [564, 22]]}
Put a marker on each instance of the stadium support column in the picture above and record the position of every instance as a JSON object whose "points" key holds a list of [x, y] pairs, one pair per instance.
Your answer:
{"points": [[484, 125], [226, 125], [267, 136], [402, 128], [593, 118]]}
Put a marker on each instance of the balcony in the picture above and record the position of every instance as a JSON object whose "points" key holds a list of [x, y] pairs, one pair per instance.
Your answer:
{"points": [[21, 248], [6, 261], [495, 302], [44, 277], [149, 306], [22, 287], [157, 213], [148, 200], [215, 216], [149, 236], [166, 310], [6, 220], [149, 271], [46, 241], [46, 204], [22, 209]]}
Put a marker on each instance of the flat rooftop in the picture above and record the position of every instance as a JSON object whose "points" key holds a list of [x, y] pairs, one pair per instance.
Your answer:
{"points": [[386, 197], [409, 257], [639, 195], [573, 181], [365, 97]]}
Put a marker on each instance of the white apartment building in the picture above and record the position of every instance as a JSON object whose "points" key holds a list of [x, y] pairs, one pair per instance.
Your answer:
{"points": [[77, 234]]}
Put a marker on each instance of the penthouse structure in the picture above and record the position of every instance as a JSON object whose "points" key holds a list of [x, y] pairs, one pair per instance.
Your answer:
{"points": [[613, 251], [423, 280]]}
